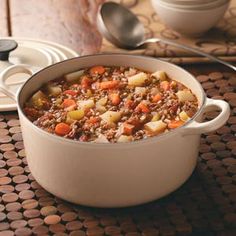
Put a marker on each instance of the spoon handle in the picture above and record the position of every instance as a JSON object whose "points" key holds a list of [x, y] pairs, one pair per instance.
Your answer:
{"points": [[154, 40]]}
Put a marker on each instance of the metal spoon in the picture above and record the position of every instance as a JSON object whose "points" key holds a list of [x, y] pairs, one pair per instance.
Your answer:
{"points": [[122, 28]]}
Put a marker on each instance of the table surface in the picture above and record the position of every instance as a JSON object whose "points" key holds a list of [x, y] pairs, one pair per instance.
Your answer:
{"points": [[72, 23]]}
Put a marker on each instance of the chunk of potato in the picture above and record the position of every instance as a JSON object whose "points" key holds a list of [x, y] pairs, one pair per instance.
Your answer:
{"points": [[155, 127], [37, 95], [185, 95], [183, 116], [138, 79], [38, 99], [160, 75], [53, 90], [101, 139], [111, 116], [76, 115], [155, 91], [124, 139], [71, 77], [156, 117], [140, 90], [100, 108], [102, 101], [86, 104]]}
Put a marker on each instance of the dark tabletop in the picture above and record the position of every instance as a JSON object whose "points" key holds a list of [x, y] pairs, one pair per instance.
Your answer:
{"points": [[205, 205]]}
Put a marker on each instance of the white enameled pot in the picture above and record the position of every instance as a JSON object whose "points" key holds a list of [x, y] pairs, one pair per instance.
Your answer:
{"points": [[121, 174]]}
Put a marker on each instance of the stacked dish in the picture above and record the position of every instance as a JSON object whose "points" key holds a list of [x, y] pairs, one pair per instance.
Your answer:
{"points": [[34, 54], [190, 17]]}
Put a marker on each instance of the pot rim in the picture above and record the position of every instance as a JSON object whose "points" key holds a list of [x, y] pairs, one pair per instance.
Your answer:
{"points": [[112, 145]]}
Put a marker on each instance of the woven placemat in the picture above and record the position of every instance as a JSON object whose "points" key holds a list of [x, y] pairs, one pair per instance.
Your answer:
{"points": [[205, 205]]}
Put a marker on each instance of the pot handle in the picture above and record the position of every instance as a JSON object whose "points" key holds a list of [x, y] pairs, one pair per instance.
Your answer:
{"points": [[197, 128], [11, 70]]}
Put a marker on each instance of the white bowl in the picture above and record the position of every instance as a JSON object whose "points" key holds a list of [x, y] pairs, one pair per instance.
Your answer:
{"points": [[194, 5], [189, 2], [189, 22]]}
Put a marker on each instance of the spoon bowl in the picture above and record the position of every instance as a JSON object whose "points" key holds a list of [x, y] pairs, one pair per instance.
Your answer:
{"points": [[120, 26]]}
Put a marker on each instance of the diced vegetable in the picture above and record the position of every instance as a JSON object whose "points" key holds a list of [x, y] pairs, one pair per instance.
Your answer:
{"points": [[109, 84], [124, 139], [86, 104], [175, 124], [72, 77], [127, 129], [76, 115], [185, 95], [89, 93], [138, 79], [129, 103], [54, 90], [93, 120], [184, 116], [39, 100], [86, 82], [62, 129], [155, 91], [142, 107], [101, 139], [97, 70], [155, 127], [100, 108], [68, 103], [173, 84], [156, 117], [160, 75], [165, 85], [70, 92], [111, 116], [157, 98], [102, 101], [115, 98], [140, 90], [38, 95]]}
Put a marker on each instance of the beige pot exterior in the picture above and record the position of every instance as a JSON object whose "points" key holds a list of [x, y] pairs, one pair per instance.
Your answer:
{"points": [[115, 175]]}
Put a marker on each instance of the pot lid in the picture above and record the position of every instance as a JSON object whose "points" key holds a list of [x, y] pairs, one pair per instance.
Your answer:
{"points": [[34, 54]]}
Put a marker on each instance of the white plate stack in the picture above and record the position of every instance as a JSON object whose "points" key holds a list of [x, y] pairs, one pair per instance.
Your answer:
{"points": [[190, 17]]}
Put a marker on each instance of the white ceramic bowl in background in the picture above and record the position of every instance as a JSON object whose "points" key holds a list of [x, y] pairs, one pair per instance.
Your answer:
{"points": [[189, 22], [188, 2], [196, 6], [113, 174]]}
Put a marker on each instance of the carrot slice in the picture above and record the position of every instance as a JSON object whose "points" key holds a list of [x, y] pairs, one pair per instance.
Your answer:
{"points": [[115, 98], [86, 82], [129, 103], [62, 129], [165, 85], [175, 124], [68, 103], [128, 129], [157, 98], [93, 120], [109, 84], [70, 92], [143, 108], [97, 70]]}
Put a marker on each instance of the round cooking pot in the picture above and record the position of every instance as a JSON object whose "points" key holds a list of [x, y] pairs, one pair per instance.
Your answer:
{"points": [[118, 174]]}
